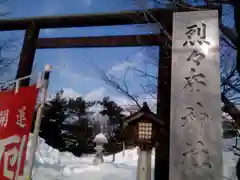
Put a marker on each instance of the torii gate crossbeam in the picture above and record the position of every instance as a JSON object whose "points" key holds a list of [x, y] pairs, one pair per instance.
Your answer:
{"points": [[163, 15]]}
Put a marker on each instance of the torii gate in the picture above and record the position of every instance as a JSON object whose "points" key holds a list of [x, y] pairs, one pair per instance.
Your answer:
{"points": [[32, 42]]}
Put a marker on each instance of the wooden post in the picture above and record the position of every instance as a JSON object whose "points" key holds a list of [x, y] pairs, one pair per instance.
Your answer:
{"points": [[44, 89], [27, 54], [236, 5], [163, 109]]}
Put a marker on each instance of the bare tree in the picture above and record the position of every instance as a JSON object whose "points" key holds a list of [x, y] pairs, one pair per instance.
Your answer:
{"points": [[230, 80], [8, 47], [229, 72]]}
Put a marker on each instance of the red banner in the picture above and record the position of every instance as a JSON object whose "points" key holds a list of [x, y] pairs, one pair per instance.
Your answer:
{"points": [[16, 113]]}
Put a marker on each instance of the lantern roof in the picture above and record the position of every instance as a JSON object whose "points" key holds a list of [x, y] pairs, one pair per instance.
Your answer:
{"points": [[144, 112]]}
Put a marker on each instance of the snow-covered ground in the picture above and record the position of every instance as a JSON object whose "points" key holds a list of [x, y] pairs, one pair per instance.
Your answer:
{"points": [[52, 165]]}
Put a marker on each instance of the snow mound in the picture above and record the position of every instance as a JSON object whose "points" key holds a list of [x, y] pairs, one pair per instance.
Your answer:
{"points": [[100, 138], [50, 164]]}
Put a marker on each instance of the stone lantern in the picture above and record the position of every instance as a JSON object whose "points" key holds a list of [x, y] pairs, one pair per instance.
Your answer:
{"points": [[100, 139], [143, 128]]}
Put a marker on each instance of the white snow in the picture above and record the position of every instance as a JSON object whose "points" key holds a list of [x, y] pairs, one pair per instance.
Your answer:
{"points": [[100, 138], [51, 164], [229, 161]]}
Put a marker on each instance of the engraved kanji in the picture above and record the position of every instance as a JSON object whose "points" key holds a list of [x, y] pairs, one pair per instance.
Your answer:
{"points": [[196, 57], [21, 117], [197, 115], [196, 33], [191, 115], [4, 118], [196, 156], [194, 79]]}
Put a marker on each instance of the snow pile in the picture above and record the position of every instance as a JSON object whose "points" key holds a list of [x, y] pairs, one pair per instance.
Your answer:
{"points": [[51, 164], [230, 161], [100, 139]]}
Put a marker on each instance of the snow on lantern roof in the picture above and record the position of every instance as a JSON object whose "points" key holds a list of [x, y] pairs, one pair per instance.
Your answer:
{"points": [[100, 138]]}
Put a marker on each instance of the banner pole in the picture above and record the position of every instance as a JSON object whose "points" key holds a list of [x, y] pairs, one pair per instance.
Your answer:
{"points": [[44, 88]]}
